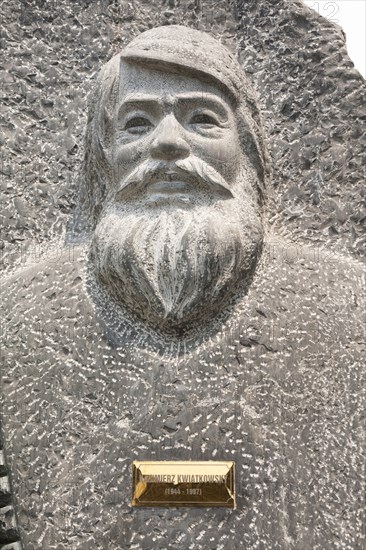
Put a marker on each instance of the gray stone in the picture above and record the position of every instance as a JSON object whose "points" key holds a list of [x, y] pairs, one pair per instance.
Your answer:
{"points": [[173, 180], [109, 358], [274, 387]]}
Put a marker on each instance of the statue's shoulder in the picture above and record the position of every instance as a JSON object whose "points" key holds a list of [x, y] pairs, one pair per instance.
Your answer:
{"points": [[314, 273], [312, 291], [55, 276], [45, 309], [314, 260]]}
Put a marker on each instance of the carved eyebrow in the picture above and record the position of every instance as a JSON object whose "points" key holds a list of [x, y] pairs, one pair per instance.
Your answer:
{"points": [[144, 101]]}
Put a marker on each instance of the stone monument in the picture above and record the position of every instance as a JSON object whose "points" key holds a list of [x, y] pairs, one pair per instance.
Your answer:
{"points": [[176, 325]]}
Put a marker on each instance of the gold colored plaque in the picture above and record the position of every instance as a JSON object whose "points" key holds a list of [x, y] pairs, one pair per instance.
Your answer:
{"points": [[172, 484]]}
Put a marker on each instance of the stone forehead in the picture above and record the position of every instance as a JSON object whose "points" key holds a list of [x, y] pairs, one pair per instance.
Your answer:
{"points": [[185, 47]]}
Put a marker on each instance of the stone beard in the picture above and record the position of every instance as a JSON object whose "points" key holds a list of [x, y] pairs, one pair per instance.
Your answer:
{"points": [[176, 264]]}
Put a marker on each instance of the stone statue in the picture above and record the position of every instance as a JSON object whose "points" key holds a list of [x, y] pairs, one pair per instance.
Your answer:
{"points": [[175, 326], [174, 179]]}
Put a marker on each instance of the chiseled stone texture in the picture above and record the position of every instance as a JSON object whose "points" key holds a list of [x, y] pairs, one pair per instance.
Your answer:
{"points": [[275, 384], [312, 98], [276, 387]]}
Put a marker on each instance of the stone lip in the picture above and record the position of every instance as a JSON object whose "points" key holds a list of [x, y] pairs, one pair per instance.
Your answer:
{"points": [[170, 177]]}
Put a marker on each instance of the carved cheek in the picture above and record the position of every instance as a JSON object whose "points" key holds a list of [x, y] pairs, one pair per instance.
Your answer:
{"points": [[127, 156], [222, 154]]}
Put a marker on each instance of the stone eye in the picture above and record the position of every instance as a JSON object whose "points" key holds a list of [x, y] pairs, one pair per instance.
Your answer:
{"points": [[205, 119], [138, 125]]}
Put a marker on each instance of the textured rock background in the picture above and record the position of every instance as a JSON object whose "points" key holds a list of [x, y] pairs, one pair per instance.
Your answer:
{"points": [[286, 403], [311, 96]]}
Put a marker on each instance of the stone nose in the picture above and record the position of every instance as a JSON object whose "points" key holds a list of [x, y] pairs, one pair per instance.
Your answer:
{"points": [[168, 143]]}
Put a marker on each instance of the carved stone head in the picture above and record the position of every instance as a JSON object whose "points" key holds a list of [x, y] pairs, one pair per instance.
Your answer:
{"points": [[173, 179]]}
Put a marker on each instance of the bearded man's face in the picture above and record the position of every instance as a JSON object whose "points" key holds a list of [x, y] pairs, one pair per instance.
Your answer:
{"points": [[180, 231]]}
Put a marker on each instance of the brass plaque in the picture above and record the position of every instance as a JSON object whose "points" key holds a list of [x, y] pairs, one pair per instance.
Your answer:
{"points": [[172, 484]]}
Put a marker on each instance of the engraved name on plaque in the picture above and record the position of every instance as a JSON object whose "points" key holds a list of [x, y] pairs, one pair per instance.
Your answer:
{"points": [[180, 484]]}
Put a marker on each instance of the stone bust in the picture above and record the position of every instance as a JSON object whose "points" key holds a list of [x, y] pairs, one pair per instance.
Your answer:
{"points": [[174, 179], [171, 329]]}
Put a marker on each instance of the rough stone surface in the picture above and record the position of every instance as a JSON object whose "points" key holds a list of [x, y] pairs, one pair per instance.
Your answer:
{"points": [[275, 384], [312, 99], [276, 389]]}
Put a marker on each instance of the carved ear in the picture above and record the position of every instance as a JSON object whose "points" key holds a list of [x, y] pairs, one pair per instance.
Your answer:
{"points": [[252, 151], [107, 124], [105, 110]]}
